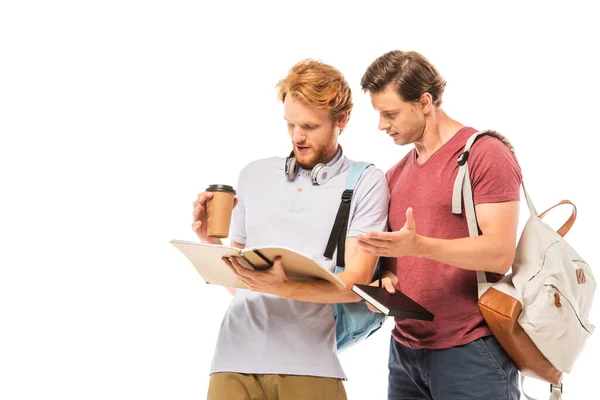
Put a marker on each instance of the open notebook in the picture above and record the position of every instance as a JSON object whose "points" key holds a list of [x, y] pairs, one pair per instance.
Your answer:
{"points": [[206, 258]]}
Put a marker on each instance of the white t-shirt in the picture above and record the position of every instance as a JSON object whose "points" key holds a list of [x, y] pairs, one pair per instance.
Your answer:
{"points": [[266, 334]]}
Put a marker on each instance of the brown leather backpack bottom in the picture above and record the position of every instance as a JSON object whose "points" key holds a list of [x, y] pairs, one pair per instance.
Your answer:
{"points": [[501, 312]]}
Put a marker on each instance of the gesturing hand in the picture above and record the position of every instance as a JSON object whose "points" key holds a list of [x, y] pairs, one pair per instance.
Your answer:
{"points": [[392, 244]]}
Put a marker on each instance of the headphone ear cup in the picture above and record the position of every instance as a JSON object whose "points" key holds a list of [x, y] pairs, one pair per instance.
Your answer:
{"points": [[319, 174], [290, 167]]}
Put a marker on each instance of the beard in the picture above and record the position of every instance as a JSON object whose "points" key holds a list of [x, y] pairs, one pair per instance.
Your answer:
{"points": [[315, 155], [308, 159]]}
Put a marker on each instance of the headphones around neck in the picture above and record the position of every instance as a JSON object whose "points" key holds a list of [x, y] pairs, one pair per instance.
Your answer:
{"points": [[320, 173]]}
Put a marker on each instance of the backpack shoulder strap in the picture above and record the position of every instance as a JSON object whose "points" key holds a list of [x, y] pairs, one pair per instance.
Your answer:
{"points": [[355, 173], [337, 238], [462, 191], [463, 171]]}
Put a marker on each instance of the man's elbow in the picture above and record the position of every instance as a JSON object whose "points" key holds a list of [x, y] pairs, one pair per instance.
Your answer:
{"points": [[505, 261], [357, 277], [365, 279], [358, 280], [352, 298]]}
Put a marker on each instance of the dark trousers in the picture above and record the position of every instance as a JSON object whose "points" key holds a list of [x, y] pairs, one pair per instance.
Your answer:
{"points": [[478, 370]]}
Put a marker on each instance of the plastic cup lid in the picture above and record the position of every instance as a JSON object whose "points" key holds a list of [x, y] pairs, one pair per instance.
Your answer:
{"points": [[220, 188]]}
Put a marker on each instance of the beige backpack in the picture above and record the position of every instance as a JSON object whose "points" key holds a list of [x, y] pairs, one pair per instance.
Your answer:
{"points": [[539, 312]]}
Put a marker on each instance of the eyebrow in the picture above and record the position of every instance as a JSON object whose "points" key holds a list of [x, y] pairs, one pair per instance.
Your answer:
{"points": [[304, 123], [389, 111]]}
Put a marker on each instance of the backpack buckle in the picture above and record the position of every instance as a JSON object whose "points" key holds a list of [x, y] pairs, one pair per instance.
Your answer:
{"points": [[347, 196], [554, 387], [462, 159]]}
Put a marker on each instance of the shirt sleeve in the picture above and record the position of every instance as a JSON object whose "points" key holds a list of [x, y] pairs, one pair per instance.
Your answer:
{"points": [[370, 203], [494, 171]]}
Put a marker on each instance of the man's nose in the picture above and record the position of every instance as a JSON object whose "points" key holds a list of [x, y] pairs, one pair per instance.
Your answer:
{"points": [[298, 135], [383, 124]]}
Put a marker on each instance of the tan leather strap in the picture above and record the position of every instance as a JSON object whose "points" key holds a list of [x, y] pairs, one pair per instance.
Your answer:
{"points": [[567, 225]]}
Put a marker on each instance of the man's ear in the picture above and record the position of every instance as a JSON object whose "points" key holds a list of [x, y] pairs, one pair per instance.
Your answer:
{"points": [[342, 120], [426, 102]]}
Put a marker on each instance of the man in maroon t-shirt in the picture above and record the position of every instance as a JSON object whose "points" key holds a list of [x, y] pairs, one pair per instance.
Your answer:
{"points": [[454, 356]]}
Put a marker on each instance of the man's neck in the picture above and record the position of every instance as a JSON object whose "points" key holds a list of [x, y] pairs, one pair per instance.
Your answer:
{"points": [[439, 128], [331, 155]]}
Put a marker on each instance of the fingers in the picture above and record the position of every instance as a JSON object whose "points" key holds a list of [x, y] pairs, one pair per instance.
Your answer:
{"points": [[410, 219], [244, 264], [238, 268], [367, 241], [196, 225], [367, 247], [233, 269], [237, 265], [388, 285], [198, 212], [202, 197], [200, 204], [374, 236], [229, 262], [243, 274]]}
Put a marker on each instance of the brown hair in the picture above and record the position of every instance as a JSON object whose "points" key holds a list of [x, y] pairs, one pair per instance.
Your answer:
{"points": [[409, 72], [318, 85]]}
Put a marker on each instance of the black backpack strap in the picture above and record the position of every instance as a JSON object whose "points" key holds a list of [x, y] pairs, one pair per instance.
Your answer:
{"points": [[338, 232]]}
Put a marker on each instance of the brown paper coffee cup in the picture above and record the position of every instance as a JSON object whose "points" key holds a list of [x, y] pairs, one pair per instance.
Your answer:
{"points": [[218, 211]]}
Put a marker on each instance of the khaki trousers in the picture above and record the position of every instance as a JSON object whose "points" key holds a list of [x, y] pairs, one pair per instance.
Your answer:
{"points": [[233, 386]]}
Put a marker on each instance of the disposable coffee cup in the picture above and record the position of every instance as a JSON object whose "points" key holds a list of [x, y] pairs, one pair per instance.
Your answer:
{"points": [[218, 211]]}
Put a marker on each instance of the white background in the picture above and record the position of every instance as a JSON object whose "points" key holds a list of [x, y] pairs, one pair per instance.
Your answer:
{"points": [[115, 114]]}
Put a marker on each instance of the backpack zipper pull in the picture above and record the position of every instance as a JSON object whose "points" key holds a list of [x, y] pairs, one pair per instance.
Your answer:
{"points": [[557, 300]]}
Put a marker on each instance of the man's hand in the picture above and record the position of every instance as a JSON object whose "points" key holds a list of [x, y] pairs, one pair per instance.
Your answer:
{"points": [[199, 217], [272, 281], [386, 283], [392, 244]]}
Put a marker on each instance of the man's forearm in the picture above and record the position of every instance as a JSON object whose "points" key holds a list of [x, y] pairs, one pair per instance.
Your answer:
{"points": [[326, 292], [319, 292], [478, 253]]}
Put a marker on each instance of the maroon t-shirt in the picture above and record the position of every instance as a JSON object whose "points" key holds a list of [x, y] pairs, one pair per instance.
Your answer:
{"points": [[449, 292]]}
